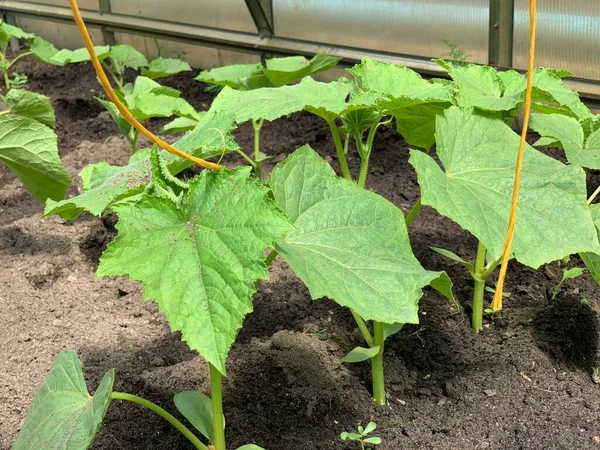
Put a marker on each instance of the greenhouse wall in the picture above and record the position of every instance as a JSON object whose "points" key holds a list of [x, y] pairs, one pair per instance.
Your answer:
{"points": [[404, 31]]}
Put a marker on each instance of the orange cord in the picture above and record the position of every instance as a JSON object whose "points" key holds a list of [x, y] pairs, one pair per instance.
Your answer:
{"points": [[122, 109], [497, 302]]}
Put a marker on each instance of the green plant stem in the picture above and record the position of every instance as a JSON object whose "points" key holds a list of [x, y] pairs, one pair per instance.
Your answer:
{"points": [[364, 168], [377, 365], [218, 440], [22, 55], [270, 257], [412, 214], [4, 68], [362, 326], [257, 125], [339, 149], [479, 289], [112, 73], [346, 144], [247, 158], [161, 412], [593, 196]]}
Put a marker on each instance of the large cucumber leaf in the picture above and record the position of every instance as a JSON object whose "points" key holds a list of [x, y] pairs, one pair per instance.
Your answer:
{"points": [[282, 71], [7, 32], [63, 415], [478, 155], [30, 104], [232, 75], [570, 134], [29, 149], [80, 55], [349, 244], [128, 56], [165, 67], [413, 101], [106, 184], [43, 50], [199, 260], [324, 99]]}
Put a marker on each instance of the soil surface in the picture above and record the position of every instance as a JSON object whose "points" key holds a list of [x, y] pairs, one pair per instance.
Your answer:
{"points": [[523, 383]]}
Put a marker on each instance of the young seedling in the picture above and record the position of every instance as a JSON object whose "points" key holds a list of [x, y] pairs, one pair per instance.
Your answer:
{"points": [[470, 188], [455, 53], [35, 46], [568, 274], [277, 72], [362, 436]]}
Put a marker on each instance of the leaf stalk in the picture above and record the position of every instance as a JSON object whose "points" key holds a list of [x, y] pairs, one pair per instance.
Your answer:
{"points": [[216, 391]]}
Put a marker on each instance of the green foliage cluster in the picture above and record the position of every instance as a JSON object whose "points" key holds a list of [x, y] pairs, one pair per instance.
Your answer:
{"points": [[203, 241]]}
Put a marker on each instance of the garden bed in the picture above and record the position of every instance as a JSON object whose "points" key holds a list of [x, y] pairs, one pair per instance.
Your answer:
{"points": [[523, 383]]}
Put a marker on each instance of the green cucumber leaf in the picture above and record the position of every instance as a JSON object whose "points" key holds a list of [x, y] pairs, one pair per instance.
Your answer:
{"points": [[475, 188], [180, 124], [484, 88], [29, 149], [592, 260], [150, 99], [569, 132], [30, 104], [413, 101], [80, 55], [63, 415], [454, 257], [201, 258], [349, 244], [282, 71], [7, 32], [232, 75], [197, 409], [324, 99], [107, 184], [43, 50], [390, 329], [550, 95], [165, 67], [128, 56], [360, 354]]}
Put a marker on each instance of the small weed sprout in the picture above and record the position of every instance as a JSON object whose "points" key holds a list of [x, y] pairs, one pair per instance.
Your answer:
{"points": [[455, 53], [362, 436]]}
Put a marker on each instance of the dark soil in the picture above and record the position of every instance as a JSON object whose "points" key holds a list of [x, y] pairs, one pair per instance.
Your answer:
{"points": [[523, 383]]}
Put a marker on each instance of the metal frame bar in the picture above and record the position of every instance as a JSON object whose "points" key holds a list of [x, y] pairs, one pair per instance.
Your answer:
{"points": [[242, 41], [109, 36], [500, 46], [262, 17]]}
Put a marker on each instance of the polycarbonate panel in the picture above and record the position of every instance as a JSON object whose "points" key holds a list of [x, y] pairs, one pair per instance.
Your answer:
{"points": [[197, 56], [413, 27], [61, 35], [224, 14], [568, 36], [83, 4]]}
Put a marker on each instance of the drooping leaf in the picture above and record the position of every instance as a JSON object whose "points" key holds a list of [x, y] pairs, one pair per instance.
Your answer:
{"points": [[7, 32], [128, 56], [360, 354], [475, 186], [165, 67], [29, 149], [323, 99], [180, 124], [550, 95], [454, 257], [282, 71], [413, 101], [200, 260], [80, 55], [63, 415], [110, 184], [30, 104], [569, 133], [348, 244], [389, 329], [232, 75], [43, 50], [197, 409], [150, 99]]}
